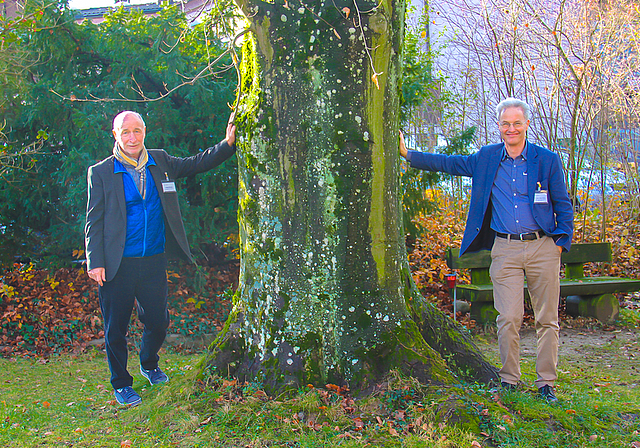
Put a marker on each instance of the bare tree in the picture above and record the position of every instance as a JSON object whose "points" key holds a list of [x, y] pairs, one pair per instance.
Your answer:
{"points": [[575, 61]]}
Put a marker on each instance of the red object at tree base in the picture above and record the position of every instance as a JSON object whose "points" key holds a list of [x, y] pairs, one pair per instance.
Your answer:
{"points": [[451, 280]]}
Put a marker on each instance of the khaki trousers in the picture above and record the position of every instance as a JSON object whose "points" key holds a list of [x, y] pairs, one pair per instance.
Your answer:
{"points": [[539, 260]]}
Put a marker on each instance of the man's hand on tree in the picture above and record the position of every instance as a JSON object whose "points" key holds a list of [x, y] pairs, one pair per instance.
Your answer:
{"points": [[403, 148], [231, 133]]}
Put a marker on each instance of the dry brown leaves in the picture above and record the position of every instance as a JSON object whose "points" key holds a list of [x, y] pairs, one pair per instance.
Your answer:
{"points": [[43, 312]]}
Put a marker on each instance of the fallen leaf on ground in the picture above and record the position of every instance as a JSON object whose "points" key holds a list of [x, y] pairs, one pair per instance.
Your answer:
{"points": [[496, 399], [340, 390], [206, 421], [229, 383], [348, 434]]}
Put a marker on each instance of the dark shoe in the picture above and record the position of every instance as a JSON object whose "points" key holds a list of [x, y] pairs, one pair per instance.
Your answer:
{"points": [[508, 386], [155, 376], [127, 396], [547, 393]]}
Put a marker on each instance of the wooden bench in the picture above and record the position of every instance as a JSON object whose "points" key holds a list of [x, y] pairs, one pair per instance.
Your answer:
{"points": [[585, 296]]}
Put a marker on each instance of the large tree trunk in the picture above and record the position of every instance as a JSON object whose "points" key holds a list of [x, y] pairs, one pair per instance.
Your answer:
{"points": [[324, 281]]}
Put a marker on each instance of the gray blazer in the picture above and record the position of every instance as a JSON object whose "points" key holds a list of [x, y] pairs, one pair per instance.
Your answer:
{"points": [[106, 227]]}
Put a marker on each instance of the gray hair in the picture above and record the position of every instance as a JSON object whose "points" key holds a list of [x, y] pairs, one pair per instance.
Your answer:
{"points": [[117, 121], [513, 102]]}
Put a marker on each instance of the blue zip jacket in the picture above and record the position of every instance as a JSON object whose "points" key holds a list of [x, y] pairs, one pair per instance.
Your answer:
{"points": [[145, 220]]}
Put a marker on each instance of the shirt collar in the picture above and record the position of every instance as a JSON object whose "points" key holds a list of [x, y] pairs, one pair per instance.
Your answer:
{"points": [[523, 155]]}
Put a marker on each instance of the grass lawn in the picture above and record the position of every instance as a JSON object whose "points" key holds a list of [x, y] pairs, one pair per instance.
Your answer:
{"points": [[67, 401]]}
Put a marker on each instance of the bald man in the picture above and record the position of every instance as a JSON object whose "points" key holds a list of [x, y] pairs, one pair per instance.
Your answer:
{"points": [[133, 225]]}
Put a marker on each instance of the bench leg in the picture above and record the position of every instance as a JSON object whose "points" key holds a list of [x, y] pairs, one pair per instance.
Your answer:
{"points": [[604, 307], [483, 312]]}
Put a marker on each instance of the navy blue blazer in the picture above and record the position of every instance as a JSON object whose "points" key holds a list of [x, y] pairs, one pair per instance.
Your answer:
{"points": [[106, 227], [555, 217]]}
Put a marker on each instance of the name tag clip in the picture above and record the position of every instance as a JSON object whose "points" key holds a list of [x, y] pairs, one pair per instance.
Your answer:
{"points": [[168, 186], [541, 196]]}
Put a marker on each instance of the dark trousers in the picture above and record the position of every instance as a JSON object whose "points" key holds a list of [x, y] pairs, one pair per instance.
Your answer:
{"points": [[142, 281]]}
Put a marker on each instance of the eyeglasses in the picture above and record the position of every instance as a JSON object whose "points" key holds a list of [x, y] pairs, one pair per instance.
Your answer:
{"points": [[506, 125]]}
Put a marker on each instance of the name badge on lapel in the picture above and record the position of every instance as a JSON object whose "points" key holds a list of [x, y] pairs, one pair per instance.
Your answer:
{"points": [[168, 186], [541, 196]]}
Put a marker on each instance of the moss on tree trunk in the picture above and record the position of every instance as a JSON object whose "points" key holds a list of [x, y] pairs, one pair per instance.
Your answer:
{"points": [[324, 279]]}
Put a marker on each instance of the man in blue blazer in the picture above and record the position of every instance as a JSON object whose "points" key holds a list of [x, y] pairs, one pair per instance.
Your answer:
{"points": [[133, 225], [519, 210]]}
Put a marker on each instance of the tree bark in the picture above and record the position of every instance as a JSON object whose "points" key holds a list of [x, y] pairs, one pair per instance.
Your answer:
{"points": [[324, 280]]}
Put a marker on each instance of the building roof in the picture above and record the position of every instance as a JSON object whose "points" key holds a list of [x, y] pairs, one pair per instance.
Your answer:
{"points": [[98, 13]]}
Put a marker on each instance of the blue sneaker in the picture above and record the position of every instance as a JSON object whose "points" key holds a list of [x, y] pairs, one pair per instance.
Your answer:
{"points": [[155, 376], [127, 396]]}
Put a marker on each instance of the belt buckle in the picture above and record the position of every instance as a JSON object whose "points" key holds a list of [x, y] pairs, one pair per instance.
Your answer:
{"points": [[521, 236]]}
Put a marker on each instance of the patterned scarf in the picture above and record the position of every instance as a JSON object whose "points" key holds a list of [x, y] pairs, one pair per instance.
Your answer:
{"points": [[139, 166]]}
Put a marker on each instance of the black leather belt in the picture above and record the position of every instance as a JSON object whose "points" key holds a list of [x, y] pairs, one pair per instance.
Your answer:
{"points": [[521, 236]]}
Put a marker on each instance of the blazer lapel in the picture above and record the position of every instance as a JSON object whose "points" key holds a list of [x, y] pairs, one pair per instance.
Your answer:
{"points": [[532, 170], [492, 171], [118, 187], [494, 162], [156, 174]]}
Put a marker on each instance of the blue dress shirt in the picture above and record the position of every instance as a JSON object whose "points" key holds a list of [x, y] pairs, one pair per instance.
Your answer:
{"points": [[511, 212]]}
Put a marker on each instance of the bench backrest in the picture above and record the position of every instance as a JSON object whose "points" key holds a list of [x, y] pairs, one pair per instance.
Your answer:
{"points": [[479, 262], [587, 253], [580, 254]]}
